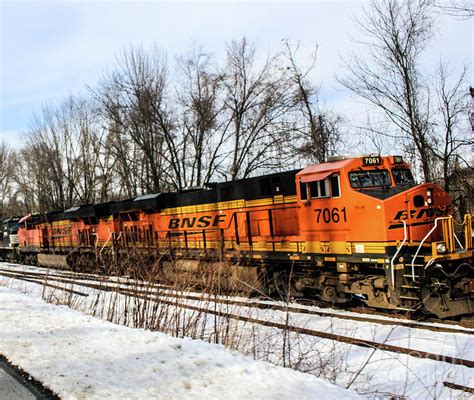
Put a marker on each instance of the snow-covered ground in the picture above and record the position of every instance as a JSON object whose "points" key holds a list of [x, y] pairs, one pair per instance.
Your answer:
{"points": [[371, 372], [81, 357]]}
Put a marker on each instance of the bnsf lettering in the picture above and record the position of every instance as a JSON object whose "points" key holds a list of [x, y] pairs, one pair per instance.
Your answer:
{"points": [[204, 221], [61, 231], [188, 222], [403, 214], [194, 222], [174, 223], [423, 213], [218, 219]]}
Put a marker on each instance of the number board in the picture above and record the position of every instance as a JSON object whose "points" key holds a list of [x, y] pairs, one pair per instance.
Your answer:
{"points": [[372, 161], [397, 159]]}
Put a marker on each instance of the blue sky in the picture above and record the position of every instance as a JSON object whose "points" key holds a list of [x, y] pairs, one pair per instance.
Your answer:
{"points": [[51, 49]]}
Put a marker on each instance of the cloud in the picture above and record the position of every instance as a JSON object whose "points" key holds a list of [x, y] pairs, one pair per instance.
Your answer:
{"points": [[51, 49]]}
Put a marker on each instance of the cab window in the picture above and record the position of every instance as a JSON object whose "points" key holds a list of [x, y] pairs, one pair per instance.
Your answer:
{"points": [[303, 191], [13, 227], [324, 188], [334, 182], [403, 177], [365, 179]]}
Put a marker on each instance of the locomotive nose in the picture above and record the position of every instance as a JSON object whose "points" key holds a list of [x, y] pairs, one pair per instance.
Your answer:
{"points": [[428, 195], [417, 207], [423, 202]]}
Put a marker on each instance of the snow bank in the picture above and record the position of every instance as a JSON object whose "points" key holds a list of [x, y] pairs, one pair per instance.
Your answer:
{"points": [[80, 357]]}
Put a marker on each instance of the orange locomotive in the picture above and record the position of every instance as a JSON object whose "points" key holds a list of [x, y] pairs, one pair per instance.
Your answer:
{"points": [[351, 228]]}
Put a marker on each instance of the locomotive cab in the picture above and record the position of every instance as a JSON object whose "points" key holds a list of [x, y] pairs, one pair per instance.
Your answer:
{"points": [[374, 233], [10, 232]]}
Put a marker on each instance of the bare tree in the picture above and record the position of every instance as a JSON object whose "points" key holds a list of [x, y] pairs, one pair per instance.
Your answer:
{"points": [[7, 161], [43, 165], [200, 106], [147, 130], [451, 136], [457, 8], [230, 121], [256, 100], [63, 162], [316, 129], [90, 174], [133, 99], [40, 184], [389, 78]]}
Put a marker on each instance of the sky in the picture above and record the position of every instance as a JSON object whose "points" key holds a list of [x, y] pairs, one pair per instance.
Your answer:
{"points": [[49, 50]]}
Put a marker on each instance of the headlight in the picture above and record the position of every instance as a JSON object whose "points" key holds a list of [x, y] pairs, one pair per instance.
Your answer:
{"points": [[441, 248], [429, 194]]}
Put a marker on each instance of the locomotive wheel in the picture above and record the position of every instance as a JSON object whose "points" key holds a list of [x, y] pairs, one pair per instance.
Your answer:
{"points": [[275, 282], [329, 294], [440, 297]]}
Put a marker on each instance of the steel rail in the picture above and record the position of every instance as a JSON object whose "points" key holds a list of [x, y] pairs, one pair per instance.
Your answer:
{"points": [[290, 328], [249, 304]]}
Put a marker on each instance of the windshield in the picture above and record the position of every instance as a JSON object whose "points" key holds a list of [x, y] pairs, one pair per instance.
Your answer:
{"points": [[403, 177], [12, 227], [364, 179]]}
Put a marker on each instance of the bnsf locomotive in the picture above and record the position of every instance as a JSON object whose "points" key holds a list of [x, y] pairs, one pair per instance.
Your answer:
{"points": [[350, 228]]}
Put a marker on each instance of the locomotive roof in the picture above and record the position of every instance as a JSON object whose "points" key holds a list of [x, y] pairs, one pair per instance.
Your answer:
{"points": [[145, 202], [282, 183], [318, 172], [88, 211], [79, 212], [11, 219], [34, 219]]}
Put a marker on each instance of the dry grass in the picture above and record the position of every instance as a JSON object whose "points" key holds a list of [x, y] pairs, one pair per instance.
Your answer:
{"points": [[161, 283]]}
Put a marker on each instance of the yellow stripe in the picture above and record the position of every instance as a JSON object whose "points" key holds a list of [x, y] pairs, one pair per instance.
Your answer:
{"points": [[61, 223], [308, 247], [452, 256], [228, 205]]}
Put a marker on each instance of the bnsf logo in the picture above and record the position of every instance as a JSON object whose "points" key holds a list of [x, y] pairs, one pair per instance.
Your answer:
{"points": [[423, 213], [61, 231], [195, 222]]}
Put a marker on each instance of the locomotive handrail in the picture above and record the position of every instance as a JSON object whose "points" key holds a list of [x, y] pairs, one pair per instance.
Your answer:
{"points": [[467, 224], [457, 240], [392, 271], [107, 241], [468, 231], [423, 241]]}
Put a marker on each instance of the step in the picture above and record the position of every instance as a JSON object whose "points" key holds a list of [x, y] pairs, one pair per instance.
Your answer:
{"points": [[410, 287], [411, 276], [409, 298]]}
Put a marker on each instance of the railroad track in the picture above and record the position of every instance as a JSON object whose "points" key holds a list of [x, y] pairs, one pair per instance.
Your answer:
{"points": [[462, 388], [290, 328], [38, 278], [74, 278]]}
